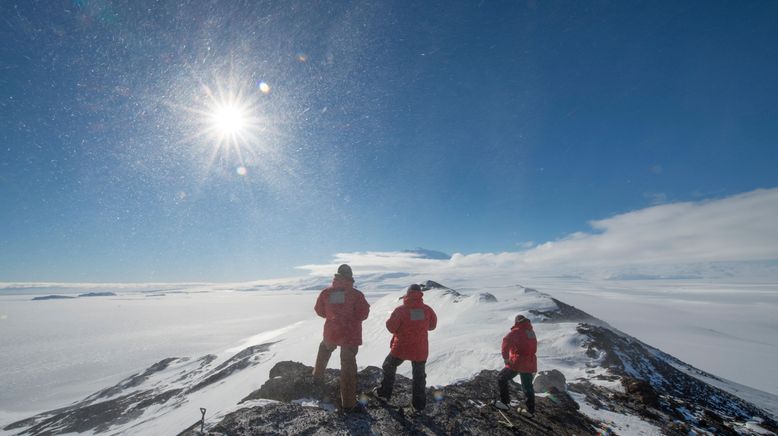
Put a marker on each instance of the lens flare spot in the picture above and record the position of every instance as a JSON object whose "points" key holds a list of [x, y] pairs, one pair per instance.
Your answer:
{"points": [[264, 87], [241, 171], [438, 395], [363, 400], [302, 57]]}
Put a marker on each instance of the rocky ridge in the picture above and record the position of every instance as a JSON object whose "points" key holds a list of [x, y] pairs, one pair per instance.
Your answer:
{"points": [[290, 403]]}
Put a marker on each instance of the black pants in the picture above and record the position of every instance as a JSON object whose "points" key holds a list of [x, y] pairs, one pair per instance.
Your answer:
{"points": [[508, 374], [419, 397]]}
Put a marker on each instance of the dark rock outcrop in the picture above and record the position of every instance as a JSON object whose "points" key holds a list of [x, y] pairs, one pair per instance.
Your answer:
{"points": [[129, 399], [133, 380], [52, 297], [641, 390], [565, 313], [288, 381], [243, 359], [458, 409], [485, 297], [656, 386], [547, 380], [429, 284], [528, 290]]}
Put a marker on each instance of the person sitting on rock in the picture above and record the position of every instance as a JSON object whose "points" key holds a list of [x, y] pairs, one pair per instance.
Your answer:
{"points": [[518, 352], [344, 308], [409, 324]]}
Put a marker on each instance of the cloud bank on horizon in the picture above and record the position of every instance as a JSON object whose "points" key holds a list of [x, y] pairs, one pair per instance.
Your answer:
{"points": [[738, 228]]}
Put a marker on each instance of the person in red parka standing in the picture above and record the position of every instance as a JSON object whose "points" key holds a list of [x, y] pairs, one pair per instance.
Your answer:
{"points": [[344, 308], [518, 352], [409, 325]]}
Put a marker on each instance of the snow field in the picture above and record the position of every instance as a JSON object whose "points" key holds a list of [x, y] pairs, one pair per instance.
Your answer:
{"points": [[92, 343]]}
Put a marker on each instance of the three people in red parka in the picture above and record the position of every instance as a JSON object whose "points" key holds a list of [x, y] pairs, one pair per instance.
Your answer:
{"points": [[518, 352], [344, 309], [409, 324]]}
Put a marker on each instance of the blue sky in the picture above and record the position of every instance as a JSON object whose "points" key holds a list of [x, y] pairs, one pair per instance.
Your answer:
{"points": [[462, 127]]}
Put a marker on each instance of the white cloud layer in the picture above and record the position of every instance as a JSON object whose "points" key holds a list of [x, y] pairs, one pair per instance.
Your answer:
{"points": [[739, 228]]}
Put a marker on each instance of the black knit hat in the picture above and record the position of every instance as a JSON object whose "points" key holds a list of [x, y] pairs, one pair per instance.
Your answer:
{"points": [[345, 271], [413, 288]]}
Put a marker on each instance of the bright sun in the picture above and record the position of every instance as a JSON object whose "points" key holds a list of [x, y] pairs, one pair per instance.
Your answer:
{"points": [[232, 122], [229, 119]]}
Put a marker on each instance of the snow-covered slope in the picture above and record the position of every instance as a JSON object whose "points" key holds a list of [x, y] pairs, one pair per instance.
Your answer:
{"points": [[596, 360]]}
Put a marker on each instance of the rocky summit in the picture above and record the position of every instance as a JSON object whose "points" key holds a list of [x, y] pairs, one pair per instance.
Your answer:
{"points": [[291, 403]]}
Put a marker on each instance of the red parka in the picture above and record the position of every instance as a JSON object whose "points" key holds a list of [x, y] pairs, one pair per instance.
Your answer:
{"points": [[344, 308], [409, 324], [519, 347]]}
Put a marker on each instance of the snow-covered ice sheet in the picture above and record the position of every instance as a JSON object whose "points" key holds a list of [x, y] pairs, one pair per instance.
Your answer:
{"points": [[467, 340], [62, 350], [58, 351]]}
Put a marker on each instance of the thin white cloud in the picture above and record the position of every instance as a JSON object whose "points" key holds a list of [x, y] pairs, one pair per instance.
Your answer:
{"points": [[738, 228], [376, 262]]}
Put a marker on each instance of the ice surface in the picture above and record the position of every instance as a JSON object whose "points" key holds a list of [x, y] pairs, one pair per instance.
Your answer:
{"points": [[59, 351]]}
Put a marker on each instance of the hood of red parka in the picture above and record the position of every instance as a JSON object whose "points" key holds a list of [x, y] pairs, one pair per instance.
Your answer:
{"points": [[413, 299], [524, 324], [340, 282]]}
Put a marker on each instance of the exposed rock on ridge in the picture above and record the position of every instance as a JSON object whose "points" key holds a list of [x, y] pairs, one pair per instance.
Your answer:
{"points": [[166, 382], [656, 388], [452, 409]]}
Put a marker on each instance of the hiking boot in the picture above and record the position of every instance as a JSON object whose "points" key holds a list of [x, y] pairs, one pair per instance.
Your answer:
{"points": [[500, 405], [410, 412], [376, 392]]}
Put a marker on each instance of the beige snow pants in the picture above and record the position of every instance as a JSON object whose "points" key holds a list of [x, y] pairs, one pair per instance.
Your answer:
{"points": [[348, 371]]}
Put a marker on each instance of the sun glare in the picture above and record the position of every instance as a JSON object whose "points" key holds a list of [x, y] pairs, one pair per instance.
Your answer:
{"points": [[229, 119], [232, 122]]}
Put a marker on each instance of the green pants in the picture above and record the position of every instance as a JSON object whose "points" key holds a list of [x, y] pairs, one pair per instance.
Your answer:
{"points": [[508, 374]]}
